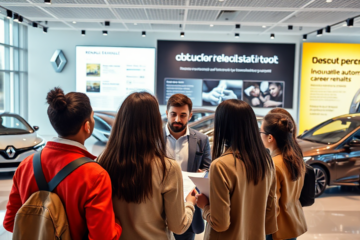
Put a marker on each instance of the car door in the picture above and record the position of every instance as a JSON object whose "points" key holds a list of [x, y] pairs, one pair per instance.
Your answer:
{"points": [[348, 162]]}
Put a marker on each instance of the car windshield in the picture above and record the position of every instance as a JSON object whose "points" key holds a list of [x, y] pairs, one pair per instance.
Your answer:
{"points": [[10, 125], [331, 131]]}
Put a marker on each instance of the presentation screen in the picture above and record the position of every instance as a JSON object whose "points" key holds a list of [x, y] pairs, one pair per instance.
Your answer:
{"points": [[330, 82], [109, 74], [211, 72]]}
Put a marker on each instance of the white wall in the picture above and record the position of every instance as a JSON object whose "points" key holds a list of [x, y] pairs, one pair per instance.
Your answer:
{"points": [[42, 76]]}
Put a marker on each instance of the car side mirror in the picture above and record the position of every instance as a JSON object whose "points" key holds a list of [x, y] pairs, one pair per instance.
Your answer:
{"points": [[36, 128]]}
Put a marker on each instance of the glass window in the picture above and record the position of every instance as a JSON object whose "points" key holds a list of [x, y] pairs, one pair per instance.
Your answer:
{"points": [[12, 124], [2, 57], [2, 93], [2, 31], [331, 131]]}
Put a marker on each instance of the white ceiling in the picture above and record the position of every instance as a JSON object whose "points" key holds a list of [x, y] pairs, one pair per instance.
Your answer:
{"points": [[191, 15]]}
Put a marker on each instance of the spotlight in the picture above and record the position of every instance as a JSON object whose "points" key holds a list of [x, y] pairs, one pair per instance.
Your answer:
{"points": [[34, 24], [83, 32], [237, 35], [182, 34], [105, 33], [47, 1], [319, 33], [264, 26], [16, 17], [74, 22], [290, 27], [45, 29], [304, 37], [328, 29], [107, 23], [272, 36], [211, 25], [143, 34], [9, 14], [350, 22], [20, 19], [237, 26], [328, 1]]}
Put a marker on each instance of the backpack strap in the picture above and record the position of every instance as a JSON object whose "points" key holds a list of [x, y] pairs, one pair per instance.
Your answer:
{"points": [[61, 175], [38, 172]]}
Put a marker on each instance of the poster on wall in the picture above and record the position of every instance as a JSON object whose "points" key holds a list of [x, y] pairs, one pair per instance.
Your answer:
{"points": [[210, 72], [109, 74], [330, 82]]}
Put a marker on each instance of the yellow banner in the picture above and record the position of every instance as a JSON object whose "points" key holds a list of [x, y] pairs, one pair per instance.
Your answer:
{"points": [[330, 82]]}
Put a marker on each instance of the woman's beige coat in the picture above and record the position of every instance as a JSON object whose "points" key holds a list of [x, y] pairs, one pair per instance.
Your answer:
{"points": [[239, 209], [164, 213], [290, 215]]}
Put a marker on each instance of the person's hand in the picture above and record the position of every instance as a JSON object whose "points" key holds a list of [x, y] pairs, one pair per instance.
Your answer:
{"points": [[271, 103], [200, 170], [212, 96], [191, 197], [201, 200], [228, 94], [255, 102]]}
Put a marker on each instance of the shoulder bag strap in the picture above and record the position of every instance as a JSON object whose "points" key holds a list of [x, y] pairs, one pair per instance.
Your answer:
{"points": [[38, 172]]}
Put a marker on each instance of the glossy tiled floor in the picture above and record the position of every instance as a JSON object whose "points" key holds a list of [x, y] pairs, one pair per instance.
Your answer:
{"points": [[334, 216]]}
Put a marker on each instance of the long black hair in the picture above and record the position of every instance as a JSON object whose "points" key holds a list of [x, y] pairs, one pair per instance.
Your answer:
{"points": [[236, 128], [281, 127], [67, 113], [135, 143]]}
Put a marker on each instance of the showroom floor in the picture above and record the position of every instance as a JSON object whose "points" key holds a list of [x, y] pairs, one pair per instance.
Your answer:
{"points": [[334, 216]]}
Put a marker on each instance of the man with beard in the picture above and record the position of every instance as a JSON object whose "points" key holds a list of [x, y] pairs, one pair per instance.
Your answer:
{"points": [[189, 148]]}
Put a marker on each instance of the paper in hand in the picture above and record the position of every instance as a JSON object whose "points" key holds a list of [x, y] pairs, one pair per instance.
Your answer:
{"points": [[203, 184], [188, 185]]}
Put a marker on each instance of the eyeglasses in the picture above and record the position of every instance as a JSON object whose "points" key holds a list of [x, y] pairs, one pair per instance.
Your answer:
{"points": [[265, 133]]}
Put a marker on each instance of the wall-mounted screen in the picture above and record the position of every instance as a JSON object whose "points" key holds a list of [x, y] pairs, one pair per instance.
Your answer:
{"points": [[109, 74], [211, 72]]}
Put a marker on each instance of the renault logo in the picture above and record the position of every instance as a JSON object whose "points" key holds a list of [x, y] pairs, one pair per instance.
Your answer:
{"points": [[10, 151], [58, 61]]}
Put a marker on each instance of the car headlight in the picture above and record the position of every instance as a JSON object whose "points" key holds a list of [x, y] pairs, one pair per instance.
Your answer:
{"points": [[306, 159], [39, 146]]}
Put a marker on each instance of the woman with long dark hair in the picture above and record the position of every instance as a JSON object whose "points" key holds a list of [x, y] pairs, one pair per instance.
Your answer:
{"points": [[277, 135], [242, 178], [147, 186]]}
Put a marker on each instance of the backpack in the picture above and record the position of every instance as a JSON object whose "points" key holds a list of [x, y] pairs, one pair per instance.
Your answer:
{"points": [[307, 196], [43, 216]]}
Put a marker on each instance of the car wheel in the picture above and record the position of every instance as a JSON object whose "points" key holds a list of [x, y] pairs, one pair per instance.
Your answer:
{"points": [[320, 180]]}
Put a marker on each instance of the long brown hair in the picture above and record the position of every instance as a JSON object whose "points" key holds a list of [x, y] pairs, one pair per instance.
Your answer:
{"points": [[281, 127], [283, 111], [135, 143], [236, 128]]}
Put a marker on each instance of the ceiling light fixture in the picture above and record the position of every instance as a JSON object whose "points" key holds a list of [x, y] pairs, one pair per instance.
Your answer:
{"points": [[83, 32], [107, 23], [9, 14], [105, 33], [328, 1], [328, 29], [264, 26], [45, 29], [237, 35], [16, 17], [211, 25], [143, 34], [74, 22], [34, 24], [304, 37], [290, 27], [272, 36], [350, 22], [182, 34], [47, 1], [319, 33], [237, 26]]}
